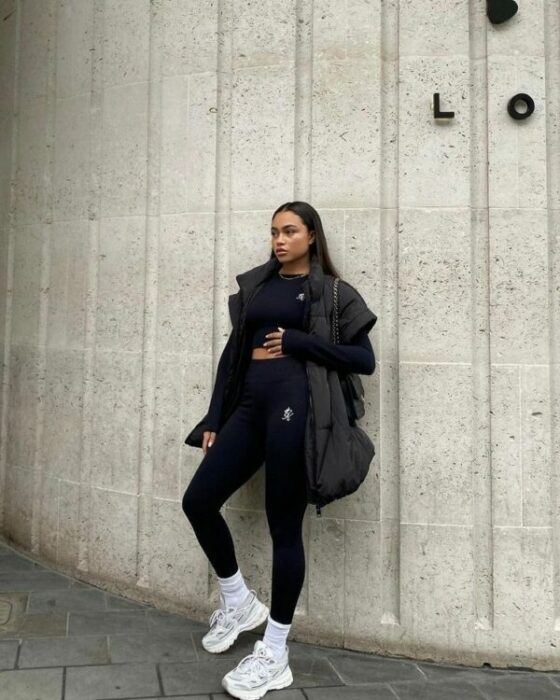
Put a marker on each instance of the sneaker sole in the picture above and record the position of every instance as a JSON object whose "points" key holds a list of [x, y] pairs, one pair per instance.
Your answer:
{"points": [[259, 618], [282, 681]]}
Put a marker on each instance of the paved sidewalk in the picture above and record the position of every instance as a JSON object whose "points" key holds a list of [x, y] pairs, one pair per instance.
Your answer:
{"points": [[63, 640]]}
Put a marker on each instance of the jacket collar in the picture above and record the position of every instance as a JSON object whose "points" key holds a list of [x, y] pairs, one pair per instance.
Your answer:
{"points": [[251, 278]]}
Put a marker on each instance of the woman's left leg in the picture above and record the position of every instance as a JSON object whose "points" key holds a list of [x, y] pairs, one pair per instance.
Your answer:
{"points": [[285, 486], [283, 390]]}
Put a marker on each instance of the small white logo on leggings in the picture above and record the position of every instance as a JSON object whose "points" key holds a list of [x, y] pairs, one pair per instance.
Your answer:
{"points": [[288, 413]]}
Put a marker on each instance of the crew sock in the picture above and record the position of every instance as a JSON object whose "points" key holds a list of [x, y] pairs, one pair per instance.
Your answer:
{"points": [[233, 589], [275, 636]]}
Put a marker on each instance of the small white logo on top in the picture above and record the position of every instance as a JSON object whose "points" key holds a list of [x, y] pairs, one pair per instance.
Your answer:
{"points": [[288, 413], [300, 297]]}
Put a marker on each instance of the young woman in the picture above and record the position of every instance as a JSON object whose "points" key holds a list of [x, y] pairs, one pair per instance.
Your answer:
{"points": [[258, 413]]}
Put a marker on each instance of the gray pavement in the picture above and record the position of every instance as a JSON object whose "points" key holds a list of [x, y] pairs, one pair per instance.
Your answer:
{"points": [[61, 639]]}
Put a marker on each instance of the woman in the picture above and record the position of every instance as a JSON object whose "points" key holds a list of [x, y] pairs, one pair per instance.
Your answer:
{"points": [[258, 413]]}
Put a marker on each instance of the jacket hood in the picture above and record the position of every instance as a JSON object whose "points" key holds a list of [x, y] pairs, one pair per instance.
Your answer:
{"points": [[250, 278]]}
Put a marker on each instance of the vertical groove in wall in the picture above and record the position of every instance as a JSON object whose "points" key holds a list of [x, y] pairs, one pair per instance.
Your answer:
{"points": [[149, 368], [46, 233], [552, 92], [303, 99], [482, 537], [10, 268], [303, 122], [94, 200], [222, 198], [388, 452]]}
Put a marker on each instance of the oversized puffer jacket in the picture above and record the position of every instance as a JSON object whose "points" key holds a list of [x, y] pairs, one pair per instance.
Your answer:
{"points": [[327, 409]]}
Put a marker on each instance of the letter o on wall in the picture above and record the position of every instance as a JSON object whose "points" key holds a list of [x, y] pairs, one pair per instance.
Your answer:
{"points": [[521, 97]]}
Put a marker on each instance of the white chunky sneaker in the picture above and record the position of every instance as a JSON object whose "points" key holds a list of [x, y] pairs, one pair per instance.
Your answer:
{"points": [[258, 673], [226, 624]]}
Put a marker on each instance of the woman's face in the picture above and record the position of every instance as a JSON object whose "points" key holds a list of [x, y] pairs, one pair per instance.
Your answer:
{"points": [[290, 234]]}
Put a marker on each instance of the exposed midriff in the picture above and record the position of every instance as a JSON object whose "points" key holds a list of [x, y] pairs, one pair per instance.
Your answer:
{"points": [[263, 354]]}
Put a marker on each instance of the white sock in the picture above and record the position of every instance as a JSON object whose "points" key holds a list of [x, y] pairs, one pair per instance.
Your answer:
{"points": [[275, 636], [233, 589]]}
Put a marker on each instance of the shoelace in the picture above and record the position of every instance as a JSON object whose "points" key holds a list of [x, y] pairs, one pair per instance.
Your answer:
{"points": [[220, 617], [255, 664]]}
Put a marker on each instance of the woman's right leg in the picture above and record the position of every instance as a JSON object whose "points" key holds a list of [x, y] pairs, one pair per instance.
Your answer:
{"points": [[237, 453]]}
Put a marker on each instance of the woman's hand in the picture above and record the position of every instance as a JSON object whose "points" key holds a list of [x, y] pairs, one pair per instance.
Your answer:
{"points": [[207, 440], [274, 342]]}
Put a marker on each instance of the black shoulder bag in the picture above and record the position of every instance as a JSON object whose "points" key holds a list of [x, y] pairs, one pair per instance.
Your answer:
{"points": [[351, 384], [346, 450]]}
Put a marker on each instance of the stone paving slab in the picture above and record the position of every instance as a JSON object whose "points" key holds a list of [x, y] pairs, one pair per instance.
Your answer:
{"points": [[32, 580], [12, 606], [202, 677], [66, 600], [11, 562], [174, 697], [5, 611], [40, 684], [8, 653], [80, 593], [355, 668], [63, 651], [437, 690], [312, 671], [150, 647], [379, 691], [114, 622], [28, 626], [158, 622], [115, 603], [531, 686], [111, 682], [435, 672]]}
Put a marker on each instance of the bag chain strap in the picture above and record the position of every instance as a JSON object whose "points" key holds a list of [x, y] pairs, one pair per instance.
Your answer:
{"points": [[335, 331]]}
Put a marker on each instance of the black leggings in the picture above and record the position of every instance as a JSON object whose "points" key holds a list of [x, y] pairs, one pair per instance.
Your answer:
{"points": [[267, 425]]}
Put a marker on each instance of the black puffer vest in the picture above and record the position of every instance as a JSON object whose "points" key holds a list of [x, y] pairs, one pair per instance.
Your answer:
{"points": [[327, 408]]}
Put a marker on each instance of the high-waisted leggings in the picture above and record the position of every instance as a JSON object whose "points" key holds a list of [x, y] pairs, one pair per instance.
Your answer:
{"points": [[267, 425]]}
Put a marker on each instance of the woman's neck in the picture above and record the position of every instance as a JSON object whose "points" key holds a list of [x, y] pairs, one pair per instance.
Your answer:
{"points": [[296, 267], [289, 271]]}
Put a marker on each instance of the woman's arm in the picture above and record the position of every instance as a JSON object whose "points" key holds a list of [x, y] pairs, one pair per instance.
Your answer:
{"points": [[357, 357]]}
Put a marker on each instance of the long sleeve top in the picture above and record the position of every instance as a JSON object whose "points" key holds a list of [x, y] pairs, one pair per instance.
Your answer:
{"points": [[278, 303]]}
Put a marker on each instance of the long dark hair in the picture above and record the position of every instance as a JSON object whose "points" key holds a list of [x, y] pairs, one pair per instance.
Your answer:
{"points": [[312, 220]]}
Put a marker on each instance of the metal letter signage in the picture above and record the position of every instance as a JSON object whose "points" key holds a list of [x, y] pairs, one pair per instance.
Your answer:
{"points": [[442, 116], [521, 97], [499, 11]]}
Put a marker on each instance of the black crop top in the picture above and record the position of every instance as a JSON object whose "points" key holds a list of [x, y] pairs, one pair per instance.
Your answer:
{"points": [[279, 302]]}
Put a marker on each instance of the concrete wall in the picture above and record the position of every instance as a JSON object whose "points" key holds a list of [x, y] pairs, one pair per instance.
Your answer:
{"points": [[144, 147]]}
